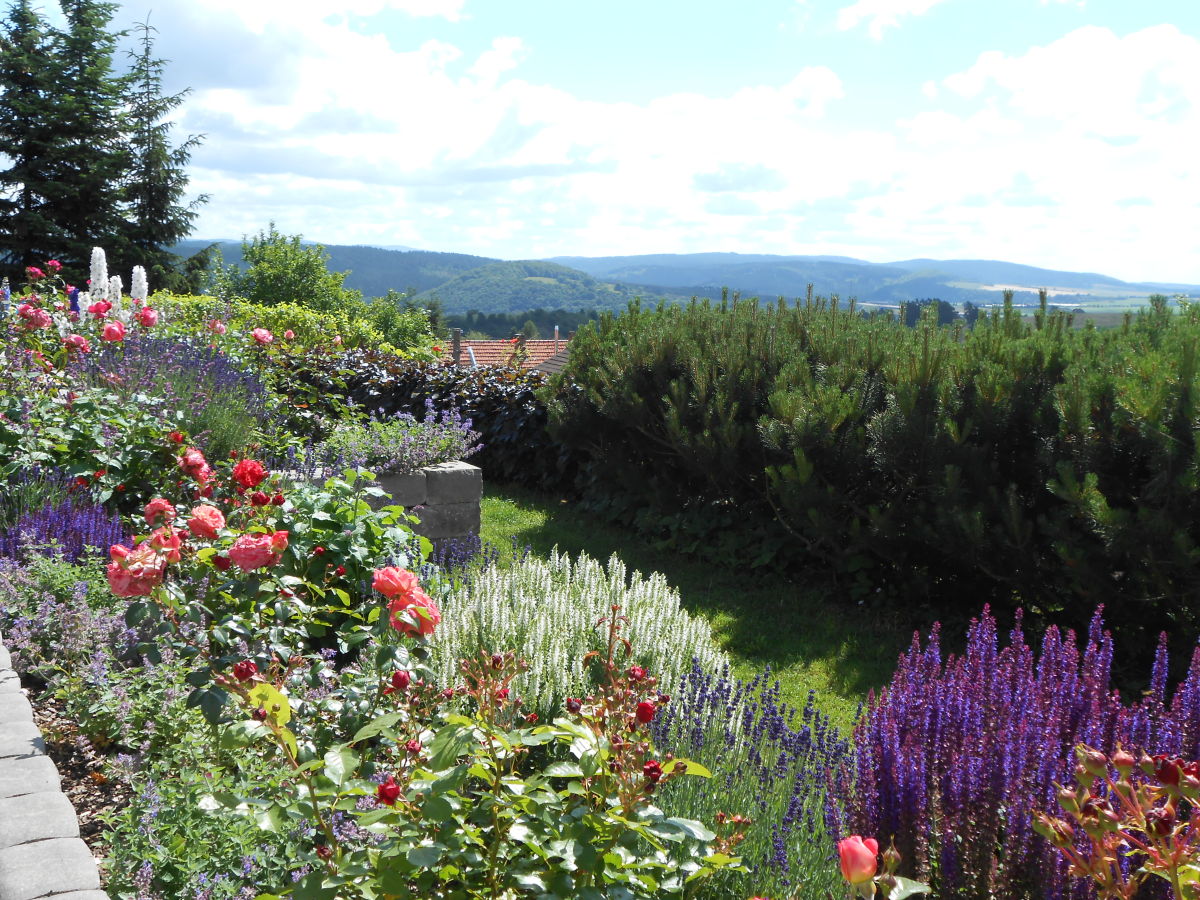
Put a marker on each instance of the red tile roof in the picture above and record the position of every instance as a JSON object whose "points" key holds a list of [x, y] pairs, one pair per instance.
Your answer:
{"points": [[501, 353]]}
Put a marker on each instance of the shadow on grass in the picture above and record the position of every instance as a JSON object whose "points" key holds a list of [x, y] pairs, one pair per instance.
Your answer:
{"points": [[802, 631]]}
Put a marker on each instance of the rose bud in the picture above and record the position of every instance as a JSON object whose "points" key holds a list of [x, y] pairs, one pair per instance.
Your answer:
{"points": [[277, 500], [636, 673], [323, 851], [413, 746], [573, 704], [532, 718], [259, 715], [340, 571], [653, 771], [401, 679], [388, 792], [258, 498]]}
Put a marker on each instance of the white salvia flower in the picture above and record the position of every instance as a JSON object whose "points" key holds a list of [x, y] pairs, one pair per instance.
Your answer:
{"points": [[114, 290], [547, 611], [139, 289], [99, 283]]}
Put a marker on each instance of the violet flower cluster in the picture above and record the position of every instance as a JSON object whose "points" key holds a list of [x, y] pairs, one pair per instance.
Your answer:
{"points": [[73, 527], [769, 762], [954, 757], [401, 444]]}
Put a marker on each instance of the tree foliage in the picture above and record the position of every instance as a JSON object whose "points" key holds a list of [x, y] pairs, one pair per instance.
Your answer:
{"points": [[85, 148]]}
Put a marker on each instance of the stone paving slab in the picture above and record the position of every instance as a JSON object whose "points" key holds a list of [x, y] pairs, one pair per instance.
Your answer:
{"points": [[41, 853], [31, 775], [47, 868]]}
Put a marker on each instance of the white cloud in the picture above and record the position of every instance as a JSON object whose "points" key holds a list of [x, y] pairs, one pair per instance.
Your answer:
{"points": [[881, 14], [345, 135]]}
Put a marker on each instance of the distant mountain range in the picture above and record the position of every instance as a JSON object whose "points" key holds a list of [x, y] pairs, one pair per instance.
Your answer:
{"points": [[463, 282]]}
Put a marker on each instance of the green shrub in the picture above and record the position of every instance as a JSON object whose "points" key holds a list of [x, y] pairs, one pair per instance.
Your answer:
{"points": [[311, 327], [1021, 459], [546, 611], [502, 404]]}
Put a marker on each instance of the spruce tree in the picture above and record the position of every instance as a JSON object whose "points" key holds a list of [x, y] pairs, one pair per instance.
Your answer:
{"points": [[90, 160], [157, 179], [31, 126]]}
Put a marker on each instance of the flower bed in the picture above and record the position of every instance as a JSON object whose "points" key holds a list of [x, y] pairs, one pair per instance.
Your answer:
{"points": [[300, 699]]}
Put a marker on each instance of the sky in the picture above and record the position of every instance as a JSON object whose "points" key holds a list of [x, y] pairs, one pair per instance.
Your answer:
{"points": [[1056, 133]]}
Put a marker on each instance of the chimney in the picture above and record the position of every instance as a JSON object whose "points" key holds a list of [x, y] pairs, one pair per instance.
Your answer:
{"points": [[457, 345], [555, 338]]}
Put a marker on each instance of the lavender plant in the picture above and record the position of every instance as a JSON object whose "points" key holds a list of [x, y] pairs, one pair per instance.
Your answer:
{"points": [[768, 761], [954, 757], [219, 402], [401, 444]]}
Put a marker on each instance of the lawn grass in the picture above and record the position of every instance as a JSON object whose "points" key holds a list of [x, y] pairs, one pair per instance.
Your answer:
{"points": [[810, 640]]}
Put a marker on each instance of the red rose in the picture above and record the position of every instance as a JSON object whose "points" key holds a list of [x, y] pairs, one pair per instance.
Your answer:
{"points": [[401, 679], [277, 500], [222, 563], [245, 670], [574, 704], [339, 571], [258, 498], [249, 473], [653, 771], [636, 673], [645, 712], [176, 436], [388, 792]]}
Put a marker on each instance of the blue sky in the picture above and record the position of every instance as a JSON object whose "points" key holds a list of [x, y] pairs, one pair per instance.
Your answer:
{"points": [[1057, 133]]}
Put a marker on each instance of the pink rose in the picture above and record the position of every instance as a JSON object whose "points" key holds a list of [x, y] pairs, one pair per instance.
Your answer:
{"points": [[159, 508], [194, 464], [34, 273], [262, 336], [100, 308], [254, 551], [393, 582], [53, 265], [289, 335], [113, 332], [35, 317], [249, 473], [857, 857], [206, 521], [216, 326], [146, 317], [419, 606], [136, 572], [77, 342], [168, 543]]}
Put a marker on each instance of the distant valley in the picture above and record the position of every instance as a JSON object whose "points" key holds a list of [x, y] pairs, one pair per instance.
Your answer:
{"points": [[463, 282]]}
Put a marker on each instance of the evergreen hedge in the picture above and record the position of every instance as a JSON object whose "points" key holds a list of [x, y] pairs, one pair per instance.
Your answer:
{"points": [[1022, 461]]}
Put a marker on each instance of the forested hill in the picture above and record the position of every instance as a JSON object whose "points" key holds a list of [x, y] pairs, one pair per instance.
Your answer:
{"points": [[526, 284], [373, 271], [463, 282]]}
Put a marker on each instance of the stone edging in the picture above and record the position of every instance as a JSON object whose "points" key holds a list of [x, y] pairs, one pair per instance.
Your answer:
{"points": [[41, 852]]}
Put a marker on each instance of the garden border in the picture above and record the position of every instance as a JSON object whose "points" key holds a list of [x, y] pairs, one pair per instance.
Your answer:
{"points": [[41, 852]]}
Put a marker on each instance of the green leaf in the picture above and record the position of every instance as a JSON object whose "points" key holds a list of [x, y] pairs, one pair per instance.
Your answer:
{"points": [[690, 827], [906, 887], [210, 700], [376, 726], [339, 764], [275, 703], [691, 768], [563, 769], [243, 734], [437, 810], [448, 745], [425, 857]]}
